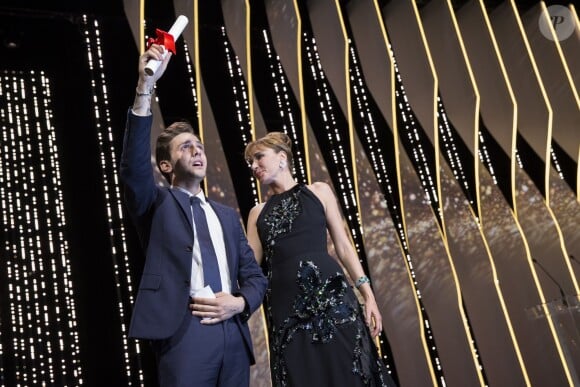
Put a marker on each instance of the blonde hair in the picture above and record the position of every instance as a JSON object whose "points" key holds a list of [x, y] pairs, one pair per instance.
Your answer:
{"points": [[278, 141]]}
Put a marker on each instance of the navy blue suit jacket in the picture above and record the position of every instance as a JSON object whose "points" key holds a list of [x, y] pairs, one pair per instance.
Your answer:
{"points": [[162, 216]]}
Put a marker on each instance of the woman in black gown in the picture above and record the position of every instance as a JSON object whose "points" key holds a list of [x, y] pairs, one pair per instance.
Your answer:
{"points": [[318, 333]]}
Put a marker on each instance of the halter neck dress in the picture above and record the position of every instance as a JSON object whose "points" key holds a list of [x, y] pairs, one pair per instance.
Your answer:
{"points": [[316, 330]]}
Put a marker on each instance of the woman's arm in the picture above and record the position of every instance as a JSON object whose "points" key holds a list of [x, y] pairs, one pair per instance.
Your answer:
{"points": [[347, 254], [252, 231]]}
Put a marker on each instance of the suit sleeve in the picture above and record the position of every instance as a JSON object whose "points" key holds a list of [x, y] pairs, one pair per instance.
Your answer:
{"points": [[136, 169]]}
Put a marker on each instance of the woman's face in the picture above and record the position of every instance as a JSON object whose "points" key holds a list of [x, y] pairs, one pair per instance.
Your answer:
{"points": [[266, 164]]}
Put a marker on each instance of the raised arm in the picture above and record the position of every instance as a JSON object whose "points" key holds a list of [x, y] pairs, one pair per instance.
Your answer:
{"points": [[136, 169], [146, 83]]}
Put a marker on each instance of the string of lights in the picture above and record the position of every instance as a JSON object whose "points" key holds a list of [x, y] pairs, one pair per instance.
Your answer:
{"points": [[372, 129], [286, 107], [454, 151], [124, 282], [422, 154], [191, 76], [240, 98], [43, 322], [332, 136]]}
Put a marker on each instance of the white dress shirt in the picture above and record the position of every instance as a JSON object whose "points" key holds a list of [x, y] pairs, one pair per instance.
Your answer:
{"points": [[217, 238]]}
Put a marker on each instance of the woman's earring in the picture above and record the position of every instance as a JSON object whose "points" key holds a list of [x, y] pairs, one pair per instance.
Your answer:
{"points": [[282, 164]]}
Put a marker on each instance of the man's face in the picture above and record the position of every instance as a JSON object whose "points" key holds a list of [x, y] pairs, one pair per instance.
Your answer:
{"points": [[188, 157]]}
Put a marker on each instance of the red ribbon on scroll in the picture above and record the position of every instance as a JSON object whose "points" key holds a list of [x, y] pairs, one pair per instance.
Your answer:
{"points": [[164, 39]]}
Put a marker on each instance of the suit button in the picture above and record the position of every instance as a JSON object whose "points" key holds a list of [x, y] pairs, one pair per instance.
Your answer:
{"points": [[189, 249]]}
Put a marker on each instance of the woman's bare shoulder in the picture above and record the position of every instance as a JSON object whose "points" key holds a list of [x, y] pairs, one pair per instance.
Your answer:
{"points": [[320, 188], [257, 208]]}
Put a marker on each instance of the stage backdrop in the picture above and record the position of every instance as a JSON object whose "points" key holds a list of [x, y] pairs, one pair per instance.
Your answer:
{"points": [[450, 132]]}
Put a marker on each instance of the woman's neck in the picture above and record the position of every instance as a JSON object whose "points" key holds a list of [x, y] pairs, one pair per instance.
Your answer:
{"points": [[283, 185]]}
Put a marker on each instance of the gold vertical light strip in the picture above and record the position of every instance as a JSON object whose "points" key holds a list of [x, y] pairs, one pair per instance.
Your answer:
{"points": [[348, 97], [548, 314], [346, 46], [549, 135], [499, 292], [459, 297], [531, 266], [477, 105], [197, 66], [474, 353], [301, 88], [568, 262], [396, 140], [504, 308], [471, 340], [249, 66], [398, 175], [479, 220], [432, 362], [253, 137], [543, 300], [198, 72], [435, 134], [577, 24], [141, 26], [547, 157], [575, 14], [559, 50], [512, 155], [250, 84], [570, 80], [395, 129]]}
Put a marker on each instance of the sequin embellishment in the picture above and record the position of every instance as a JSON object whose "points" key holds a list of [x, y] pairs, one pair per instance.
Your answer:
{"points": [[323, 302]]}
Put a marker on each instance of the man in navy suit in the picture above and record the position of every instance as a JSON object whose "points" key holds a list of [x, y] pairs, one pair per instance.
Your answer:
{"points": [[200, 335]]}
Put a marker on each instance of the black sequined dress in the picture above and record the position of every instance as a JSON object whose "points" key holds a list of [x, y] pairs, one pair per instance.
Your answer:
{"points": [[316, 329]]}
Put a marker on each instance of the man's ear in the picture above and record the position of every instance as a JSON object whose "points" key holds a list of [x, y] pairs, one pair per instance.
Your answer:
{"points": [[165, 166]]}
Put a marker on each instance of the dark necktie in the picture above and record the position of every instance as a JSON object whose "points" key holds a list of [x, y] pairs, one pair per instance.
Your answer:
{"points": [[211, 272]]}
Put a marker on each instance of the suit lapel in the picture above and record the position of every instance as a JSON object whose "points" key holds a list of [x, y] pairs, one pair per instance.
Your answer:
{"points": [[183, 200]]}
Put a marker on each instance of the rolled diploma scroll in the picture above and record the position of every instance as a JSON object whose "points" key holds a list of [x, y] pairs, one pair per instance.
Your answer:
{"points": [[175, 31]]}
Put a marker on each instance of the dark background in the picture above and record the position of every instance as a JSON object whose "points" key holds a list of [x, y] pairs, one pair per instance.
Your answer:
{"points": [[44, 35]]}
